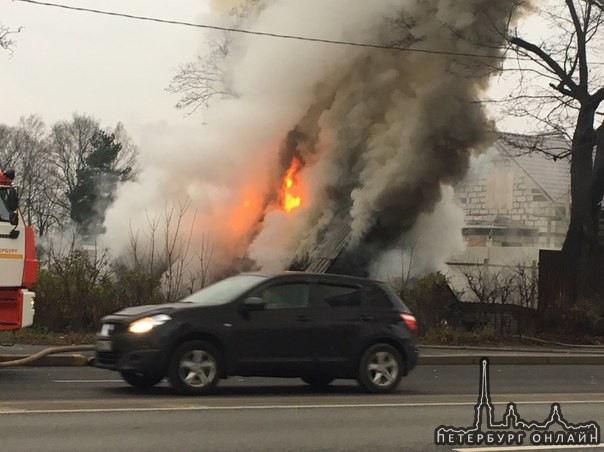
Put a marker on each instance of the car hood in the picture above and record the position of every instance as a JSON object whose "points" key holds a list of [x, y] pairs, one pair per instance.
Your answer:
{"points": [[147, 310]]}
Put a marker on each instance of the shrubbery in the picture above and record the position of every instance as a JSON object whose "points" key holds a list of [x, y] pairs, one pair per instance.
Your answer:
{"points": [[430, 299], [75, 291]]}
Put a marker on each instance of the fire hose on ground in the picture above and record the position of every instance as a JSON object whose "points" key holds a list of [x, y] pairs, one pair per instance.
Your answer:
{"points": [[48, 351]]}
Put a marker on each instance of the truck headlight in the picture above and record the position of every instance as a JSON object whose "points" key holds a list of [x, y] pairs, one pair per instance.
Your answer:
{"points": [[32, 302], [146, 324]]}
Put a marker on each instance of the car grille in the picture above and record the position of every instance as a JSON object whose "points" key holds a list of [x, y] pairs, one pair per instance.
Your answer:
{"points": [[112, 329], [108, 358]]}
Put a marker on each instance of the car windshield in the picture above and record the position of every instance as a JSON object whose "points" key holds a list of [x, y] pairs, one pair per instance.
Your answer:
{"points": [[225, 290]]}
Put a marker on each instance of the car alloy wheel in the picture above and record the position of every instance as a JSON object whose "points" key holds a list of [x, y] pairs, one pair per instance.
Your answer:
{"points": [[380, 369], [195, 368]]}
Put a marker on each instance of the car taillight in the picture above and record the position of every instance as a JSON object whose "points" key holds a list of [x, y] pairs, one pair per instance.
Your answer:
{"points": [[410, 320]]}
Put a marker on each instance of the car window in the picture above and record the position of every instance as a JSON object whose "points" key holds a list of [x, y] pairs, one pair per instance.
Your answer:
{"points": [[375, 297], [335, 295], [286, 296], [224, 291], [393, 297]]}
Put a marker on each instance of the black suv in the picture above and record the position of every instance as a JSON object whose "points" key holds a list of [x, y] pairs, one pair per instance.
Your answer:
{"points": [[315, 326]]}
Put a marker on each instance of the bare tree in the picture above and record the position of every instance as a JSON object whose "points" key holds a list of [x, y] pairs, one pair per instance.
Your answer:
{"points": [[127, 159], [482, 283], [6, 37], [24, 148], [72, 144], [513, 284], [204, 79], [525, 284], [37, 177], [176, 251], [200, 81], [203, 274], [165, 252], [576, 95]]}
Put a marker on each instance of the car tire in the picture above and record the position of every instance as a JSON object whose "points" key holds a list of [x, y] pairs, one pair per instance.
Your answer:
{"points": [[195, 368], [141, 380], [380, 369], [318, 381]]}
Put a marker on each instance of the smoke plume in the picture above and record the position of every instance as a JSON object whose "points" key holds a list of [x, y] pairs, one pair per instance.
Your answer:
{"points": [[379, 132]]}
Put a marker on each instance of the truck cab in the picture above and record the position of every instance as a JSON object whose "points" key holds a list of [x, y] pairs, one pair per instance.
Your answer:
{"points": [[18, 265]]}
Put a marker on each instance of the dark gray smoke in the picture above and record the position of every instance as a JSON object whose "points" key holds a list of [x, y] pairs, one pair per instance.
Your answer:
{"points": [[379, 132], [393, 127]]}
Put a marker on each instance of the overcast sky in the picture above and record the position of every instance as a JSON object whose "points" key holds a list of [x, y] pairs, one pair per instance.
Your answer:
{"points": [[112, 68]]}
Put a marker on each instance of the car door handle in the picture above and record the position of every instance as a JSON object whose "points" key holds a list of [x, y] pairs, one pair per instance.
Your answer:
{"points": [[366, 318], [303, 318]]}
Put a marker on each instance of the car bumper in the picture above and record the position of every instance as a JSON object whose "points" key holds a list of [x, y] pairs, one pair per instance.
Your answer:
{"points": [[411, 355], [415, 357], [143, 361]]}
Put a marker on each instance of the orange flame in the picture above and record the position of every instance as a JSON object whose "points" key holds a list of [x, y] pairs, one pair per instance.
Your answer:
{"points": [[291, 191], [245, 215]]}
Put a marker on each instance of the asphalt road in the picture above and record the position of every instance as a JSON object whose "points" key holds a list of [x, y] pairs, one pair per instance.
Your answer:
{"points": [[87, 409]]}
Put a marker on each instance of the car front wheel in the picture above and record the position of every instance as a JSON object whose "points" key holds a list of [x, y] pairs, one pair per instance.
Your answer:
{"points": [[380, 369], [195, 368], [141, 380]]}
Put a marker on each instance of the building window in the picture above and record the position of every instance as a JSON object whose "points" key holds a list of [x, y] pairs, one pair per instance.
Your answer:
{"points": [[500, 190]]}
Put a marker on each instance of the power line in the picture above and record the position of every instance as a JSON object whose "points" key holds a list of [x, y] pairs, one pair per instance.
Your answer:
{"points": [[276, 35], [260, 33]]}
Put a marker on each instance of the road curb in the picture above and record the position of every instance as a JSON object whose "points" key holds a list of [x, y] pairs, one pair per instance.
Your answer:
{"points": [[75, 360], [503, 359], [78, 360]]}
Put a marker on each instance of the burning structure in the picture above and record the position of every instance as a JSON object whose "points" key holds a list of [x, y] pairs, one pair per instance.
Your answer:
{"points": [[327, 155]]}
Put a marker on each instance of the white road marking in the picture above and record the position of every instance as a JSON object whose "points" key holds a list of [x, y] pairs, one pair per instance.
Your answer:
{"points": [[87, 381], [521, 448], [268, 407]]}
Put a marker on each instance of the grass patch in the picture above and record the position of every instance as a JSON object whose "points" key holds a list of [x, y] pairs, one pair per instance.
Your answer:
{"points": [[460, 336], [488, 337], [33, 336], [435, 336]]}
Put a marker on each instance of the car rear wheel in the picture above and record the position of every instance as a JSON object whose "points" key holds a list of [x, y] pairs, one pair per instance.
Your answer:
{"points": [[195, 368], [317, 381], [141, 380], [380, 369]]}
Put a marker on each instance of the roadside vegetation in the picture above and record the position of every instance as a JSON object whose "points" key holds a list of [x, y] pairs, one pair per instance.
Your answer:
{"points": [[68, 173], [75, 289]]}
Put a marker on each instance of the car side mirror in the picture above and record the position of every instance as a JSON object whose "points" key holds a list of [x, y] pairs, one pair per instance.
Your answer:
{"points": [[12, 200], [13, 218], [254, 304]]}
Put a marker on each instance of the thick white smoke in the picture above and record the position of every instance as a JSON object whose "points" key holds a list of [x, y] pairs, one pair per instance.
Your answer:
{"points": [[379, 131], [435, 237]]}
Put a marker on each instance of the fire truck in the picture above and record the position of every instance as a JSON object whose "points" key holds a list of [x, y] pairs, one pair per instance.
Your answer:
{"points": [[18, 265]]}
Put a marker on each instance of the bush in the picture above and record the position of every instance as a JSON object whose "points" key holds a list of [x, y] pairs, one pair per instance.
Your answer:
{"points": [[75, 291], [445, 335], [581, 318], [431, 300]]}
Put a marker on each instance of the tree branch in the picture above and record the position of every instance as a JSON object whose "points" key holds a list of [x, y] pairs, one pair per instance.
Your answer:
{"points": [[565, 79], [581, 50]]}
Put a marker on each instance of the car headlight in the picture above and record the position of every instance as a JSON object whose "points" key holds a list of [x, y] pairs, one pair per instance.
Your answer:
{"points": [[146, 324]]}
